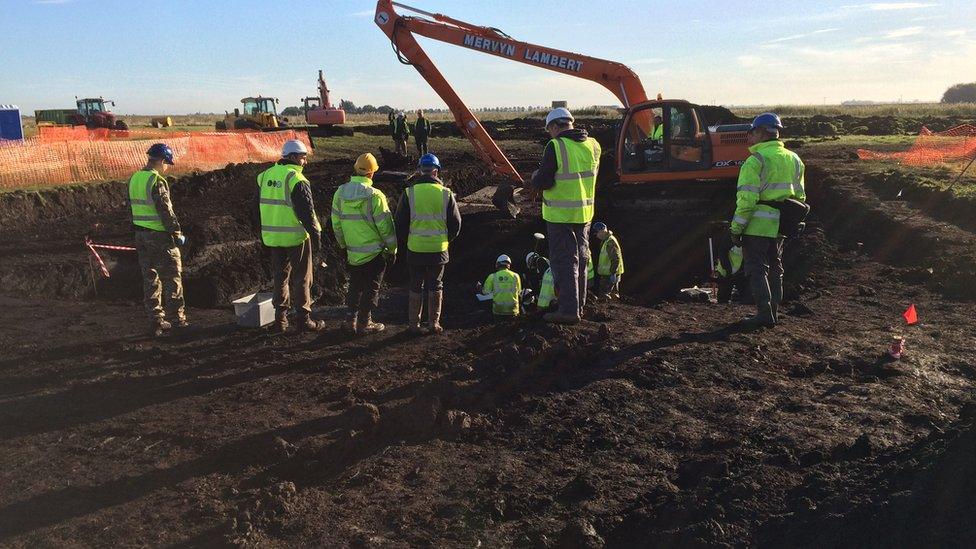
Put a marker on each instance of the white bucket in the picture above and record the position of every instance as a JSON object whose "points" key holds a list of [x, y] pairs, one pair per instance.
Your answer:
{"points": [[254, 311]]}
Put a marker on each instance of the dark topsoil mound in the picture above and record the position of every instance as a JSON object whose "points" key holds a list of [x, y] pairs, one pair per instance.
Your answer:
{"points": [[644, 426]]}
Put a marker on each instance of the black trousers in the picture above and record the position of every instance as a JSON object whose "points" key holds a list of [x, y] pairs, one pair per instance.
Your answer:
{"points": [[421, 143], [364, 286], [426, 277]]}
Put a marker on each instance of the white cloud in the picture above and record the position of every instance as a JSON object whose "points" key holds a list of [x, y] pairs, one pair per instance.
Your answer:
{"points": [[646, 61], [890, 6], [955, 32], [802, 35], [749, 61], [903, 32]]}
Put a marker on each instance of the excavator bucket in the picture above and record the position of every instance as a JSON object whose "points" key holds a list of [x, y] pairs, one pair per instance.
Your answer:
{"points": [[504, 200]]}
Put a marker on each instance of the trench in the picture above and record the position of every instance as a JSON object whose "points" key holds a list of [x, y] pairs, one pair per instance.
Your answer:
{"points": [[664, 235]]}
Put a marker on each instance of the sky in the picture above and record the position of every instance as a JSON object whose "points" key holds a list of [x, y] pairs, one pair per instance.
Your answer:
{"points": [[186, 56]]}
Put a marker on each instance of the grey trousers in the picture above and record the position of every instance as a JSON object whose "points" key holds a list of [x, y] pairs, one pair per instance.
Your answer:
{"points": [[569, 249], [762, 257]]}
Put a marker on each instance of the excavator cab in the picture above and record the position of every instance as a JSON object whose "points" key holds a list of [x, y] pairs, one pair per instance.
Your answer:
{"points": [[664, 137]]}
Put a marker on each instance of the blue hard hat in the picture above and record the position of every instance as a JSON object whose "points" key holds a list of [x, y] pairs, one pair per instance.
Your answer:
{"points": [[161, 151], [598, 226], [429, 161], [768, 120]]}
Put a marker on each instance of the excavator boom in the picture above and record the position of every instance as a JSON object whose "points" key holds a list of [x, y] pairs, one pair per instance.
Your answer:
{"points": [[616, 77]]}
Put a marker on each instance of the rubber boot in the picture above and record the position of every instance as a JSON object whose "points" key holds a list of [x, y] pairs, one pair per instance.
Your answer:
{"points": [[158, 327], [434, 302], [775, 295], [764, 310], [308, 324], [365, 325], [281, 322], [415, 308]]}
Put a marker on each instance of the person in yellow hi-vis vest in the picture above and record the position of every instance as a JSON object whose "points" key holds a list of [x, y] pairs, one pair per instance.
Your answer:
{"points": [[567, 179], [157, 236], [292, 234], [610, 265], [428, 219], [505, 288], [771, 176], [363, 227]]}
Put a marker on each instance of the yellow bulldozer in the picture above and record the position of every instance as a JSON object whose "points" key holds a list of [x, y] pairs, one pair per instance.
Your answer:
{"points": [[258, 113]]}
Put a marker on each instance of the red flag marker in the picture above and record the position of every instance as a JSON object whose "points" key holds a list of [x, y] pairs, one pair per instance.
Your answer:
{"points": [[910, 315]]}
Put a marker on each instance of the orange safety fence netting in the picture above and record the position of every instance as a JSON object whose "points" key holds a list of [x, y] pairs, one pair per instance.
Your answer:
{"points": [[82, 133], [36, 162], [953, 145]]}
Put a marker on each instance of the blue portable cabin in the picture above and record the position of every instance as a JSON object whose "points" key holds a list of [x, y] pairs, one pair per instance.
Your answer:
{"points": [[11, 127]]}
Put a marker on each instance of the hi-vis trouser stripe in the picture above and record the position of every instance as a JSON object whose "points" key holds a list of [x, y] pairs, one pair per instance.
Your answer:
{"points": [[147, 202], [566, 175], [414, 216], [282, 202]]}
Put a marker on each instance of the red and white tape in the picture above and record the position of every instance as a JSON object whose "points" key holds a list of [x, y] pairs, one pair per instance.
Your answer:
{"points": [[91, 247]]}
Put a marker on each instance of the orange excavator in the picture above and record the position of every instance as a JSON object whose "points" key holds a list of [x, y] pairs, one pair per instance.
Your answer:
{"points": [[684, 149]]}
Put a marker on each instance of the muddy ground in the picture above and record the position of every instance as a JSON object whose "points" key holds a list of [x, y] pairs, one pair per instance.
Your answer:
{"points": [[651, 424]]}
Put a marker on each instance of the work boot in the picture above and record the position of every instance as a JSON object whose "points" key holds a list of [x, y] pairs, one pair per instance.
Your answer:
{"points": [[775, 295], [281, 322], [159, 326], [311, 325], [415, 309], [368, 326], [764, 309], [560, 318], [434, 302]]}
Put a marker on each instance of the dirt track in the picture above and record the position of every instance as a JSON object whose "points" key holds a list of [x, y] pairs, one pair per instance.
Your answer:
{"points": [[650, 424]]}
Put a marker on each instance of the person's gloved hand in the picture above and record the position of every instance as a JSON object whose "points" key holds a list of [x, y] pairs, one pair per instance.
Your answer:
{"points": [[736, 239], [179, 238]]}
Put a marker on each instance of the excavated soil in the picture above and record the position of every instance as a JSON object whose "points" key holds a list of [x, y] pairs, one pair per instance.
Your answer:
{"points": [[650, 424]]}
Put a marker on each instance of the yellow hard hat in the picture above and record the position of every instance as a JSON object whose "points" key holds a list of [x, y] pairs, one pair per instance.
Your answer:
{"points": [[366, 163]]}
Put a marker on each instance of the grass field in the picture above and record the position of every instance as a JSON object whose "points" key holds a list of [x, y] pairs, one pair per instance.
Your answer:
{"points": [[205, 122]]}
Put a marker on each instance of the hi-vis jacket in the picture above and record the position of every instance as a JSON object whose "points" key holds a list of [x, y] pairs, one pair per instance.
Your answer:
{"points": [[361, 221], [571, 199], [611, 257], [505, 289], [730, 265], [547, 292], [771, 174], [150, 203], [280, 226]]}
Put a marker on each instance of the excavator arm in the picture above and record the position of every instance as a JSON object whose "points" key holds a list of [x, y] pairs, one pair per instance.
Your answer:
{"points": [[616, 77]]}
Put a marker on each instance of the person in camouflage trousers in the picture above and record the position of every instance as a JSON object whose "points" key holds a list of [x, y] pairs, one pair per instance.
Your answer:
{"points": [[157, 235]]}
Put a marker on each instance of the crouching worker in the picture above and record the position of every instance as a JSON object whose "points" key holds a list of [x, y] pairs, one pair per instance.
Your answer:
{"points": [[610, 266], [292, 234], [157, 235], [729, 275], [538, 266], [363, 227], [504, 287]]}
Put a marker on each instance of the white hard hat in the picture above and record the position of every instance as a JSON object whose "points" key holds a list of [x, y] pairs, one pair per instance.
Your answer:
{"points": [[559, 113], [293, 146], [529, 258], [503, 259]]}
